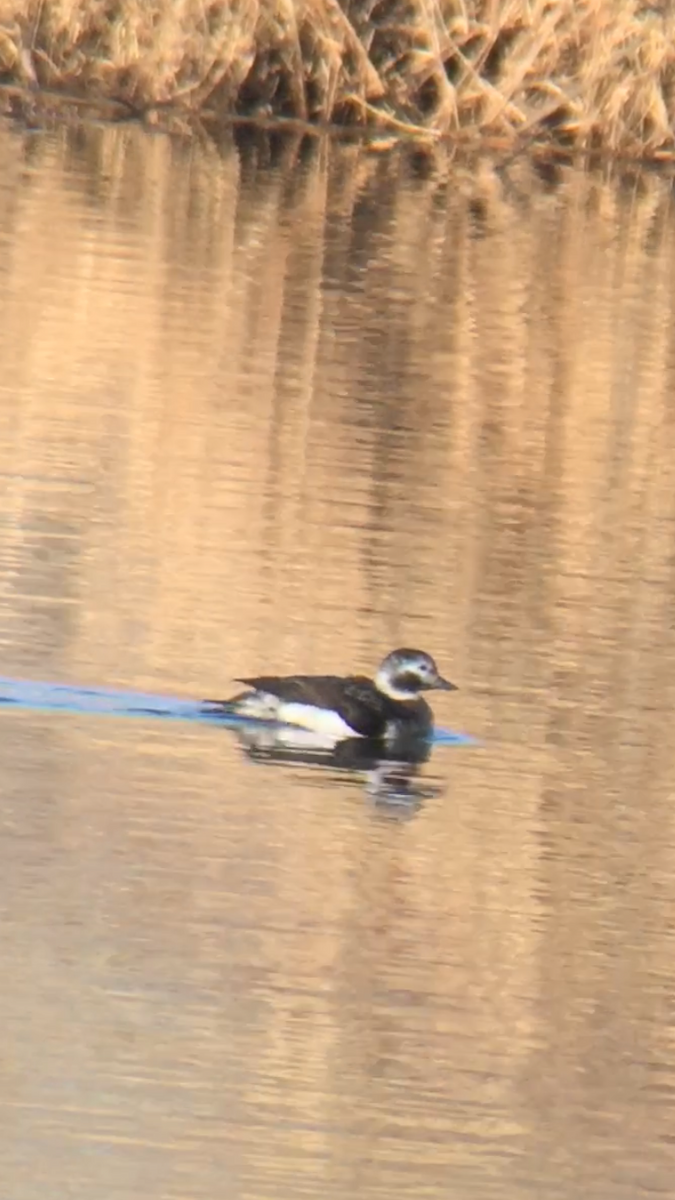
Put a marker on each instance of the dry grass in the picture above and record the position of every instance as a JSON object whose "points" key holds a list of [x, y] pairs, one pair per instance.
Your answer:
{"points": [[585, 73]]}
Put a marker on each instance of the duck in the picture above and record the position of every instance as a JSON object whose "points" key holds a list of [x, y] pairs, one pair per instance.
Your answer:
{"points": [[388, 706]]}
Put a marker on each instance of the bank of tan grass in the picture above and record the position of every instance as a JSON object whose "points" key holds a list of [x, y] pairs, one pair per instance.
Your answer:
{"points": [[592, 74]]}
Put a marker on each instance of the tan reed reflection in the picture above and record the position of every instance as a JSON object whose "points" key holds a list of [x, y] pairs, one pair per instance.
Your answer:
{"points": [[291, 417]]}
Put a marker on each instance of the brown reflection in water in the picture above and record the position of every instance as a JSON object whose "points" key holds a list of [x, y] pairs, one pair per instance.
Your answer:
{"points": [[293, 418]]}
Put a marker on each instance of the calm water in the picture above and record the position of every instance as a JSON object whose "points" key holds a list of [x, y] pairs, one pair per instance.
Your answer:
{"points": [[290, 408]]}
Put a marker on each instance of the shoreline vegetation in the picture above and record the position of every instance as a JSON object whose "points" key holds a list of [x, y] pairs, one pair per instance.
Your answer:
{"points": [[596, 76]]}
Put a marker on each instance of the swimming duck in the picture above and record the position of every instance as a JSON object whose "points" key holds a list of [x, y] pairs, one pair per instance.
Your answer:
{"points": [[341, 706]]}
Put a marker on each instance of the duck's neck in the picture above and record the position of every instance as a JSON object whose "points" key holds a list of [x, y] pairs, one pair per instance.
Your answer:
{"points": [[385, 684]]}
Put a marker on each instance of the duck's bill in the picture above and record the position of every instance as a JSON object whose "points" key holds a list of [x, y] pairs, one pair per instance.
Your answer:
{"points": [[444, 685]]}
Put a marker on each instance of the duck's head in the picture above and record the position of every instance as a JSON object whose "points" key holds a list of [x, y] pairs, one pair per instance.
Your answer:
{"points": [[406, 673]]}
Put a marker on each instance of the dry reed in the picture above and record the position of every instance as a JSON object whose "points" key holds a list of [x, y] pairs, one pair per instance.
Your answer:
{"points": [[591, 74]]}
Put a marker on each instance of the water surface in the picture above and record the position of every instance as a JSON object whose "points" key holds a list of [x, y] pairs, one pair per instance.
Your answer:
{"points": [[288, 407]]}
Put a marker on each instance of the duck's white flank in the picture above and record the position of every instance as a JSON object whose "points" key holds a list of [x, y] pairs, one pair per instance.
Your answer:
{"points": [[319, 720], [285, 737], [304, 716]]}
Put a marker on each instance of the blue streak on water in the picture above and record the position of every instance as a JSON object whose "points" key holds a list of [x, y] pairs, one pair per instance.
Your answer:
{"points": [[60, 697], [452, 737]]}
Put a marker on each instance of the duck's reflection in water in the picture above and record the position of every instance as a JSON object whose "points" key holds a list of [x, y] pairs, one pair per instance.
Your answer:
{"points": [[389, 769]]}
